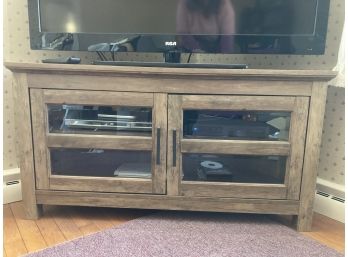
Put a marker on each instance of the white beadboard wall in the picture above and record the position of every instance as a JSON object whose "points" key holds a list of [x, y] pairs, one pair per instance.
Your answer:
{"points": [[17, 49]]}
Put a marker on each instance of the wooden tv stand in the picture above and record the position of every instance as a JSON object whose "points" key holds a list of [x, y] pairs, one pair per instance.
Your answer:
{"points": [[198, 117]]}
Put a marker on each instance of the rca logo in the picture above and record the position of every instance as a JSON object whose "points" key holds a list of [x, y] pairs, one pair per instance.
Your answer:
{"points": [[170, 43]]}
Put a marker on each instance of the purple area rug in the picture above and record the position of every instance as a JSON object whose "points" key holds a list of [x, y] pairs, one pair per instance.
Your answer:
{"points": [[183, 234]]}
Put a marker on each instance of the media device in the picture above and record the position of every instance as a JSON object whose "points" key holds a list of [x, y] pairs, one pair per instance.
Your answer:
{"points": [[106, 119], [63, 60], [134, 170], [184, 26], [225, 125]]}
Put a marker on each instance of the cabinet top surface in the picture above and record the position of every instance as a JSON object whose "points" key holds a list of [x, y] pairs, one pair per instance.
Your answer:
{"points": [[314, 75]]}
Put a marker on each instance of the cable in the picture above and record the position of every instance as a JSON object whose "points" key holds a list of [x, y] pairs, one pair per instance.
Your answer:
{"points": [[100, 56], [105, 59], [189, 58]]}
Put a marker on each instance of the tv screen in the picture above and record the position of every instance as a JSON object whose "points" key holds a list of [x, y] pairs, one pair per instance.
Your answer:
{"points": [[204, 26]]}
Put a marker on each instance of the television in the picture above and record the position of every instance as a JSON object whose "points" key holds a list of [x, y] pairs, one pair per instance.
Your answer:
{"points": [[189, 26]]}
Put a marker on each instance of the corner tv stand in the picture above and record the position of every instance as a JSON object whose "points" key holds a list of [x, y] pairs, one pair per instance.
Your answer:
{"points": [[170, 138]]}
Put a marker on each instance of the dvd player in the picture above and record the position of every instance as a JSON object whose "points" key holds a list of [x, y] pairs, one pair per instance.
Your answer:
{"points": [[172, 65], [92, 119]]}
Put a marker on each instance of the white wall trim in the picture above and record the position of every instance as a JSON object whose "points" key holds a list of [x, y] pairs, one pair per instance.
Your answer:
{"points": [[12, 187], [330, 206]]}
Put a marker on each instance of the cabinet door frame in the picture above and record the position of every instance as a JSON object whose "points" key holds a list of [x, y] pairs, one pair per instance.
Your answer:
{"points": [[293, 148], [43, 140]]}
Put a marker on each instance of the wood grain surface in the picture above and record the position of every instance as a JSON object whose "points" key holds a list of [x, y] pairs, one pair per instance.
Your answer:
{"points": [[62, 223]]}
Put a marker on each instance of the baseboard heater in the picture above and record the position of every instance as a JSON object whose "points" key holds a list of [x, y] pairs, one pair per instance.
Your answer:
{"points": [[329, 200], [12, 186]]}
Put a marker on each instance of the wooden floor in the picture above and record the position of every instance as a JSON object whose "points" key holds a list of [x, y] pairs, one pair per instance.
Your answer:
{"points": [[60, 224]]}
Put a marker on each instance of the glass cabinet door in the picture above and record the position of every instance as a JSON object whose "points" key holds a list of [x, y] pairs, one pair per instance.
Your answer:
{"points": [[236, 146], [99, 141], [237, 125], [99, 120]]}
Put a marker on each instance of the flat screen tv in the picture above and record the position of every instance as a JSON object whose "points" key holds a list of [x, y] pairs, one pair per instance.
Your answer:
{"points": [[203, 26]]}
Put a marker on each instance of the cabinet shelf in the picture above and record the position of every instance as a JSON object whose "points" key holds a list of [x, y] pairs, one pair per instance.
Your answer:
{"points": [[235, 147], [99, 141]]}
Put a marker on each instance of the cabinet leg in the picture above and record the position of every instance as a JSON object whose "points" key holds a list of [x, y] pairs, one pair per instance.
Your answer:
{"points": [[311, 157], [33, 212], [304, 221]]}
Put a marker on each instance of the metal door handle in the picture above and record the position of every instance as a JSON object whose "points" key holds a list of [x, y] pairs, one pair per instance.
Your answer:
{"points": [[158, 147], [174, 148]]}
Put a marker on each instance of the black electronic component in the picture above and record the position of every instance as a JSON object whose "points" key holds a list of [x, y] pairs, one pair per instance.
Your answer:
{"points": [[63, 60]]}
